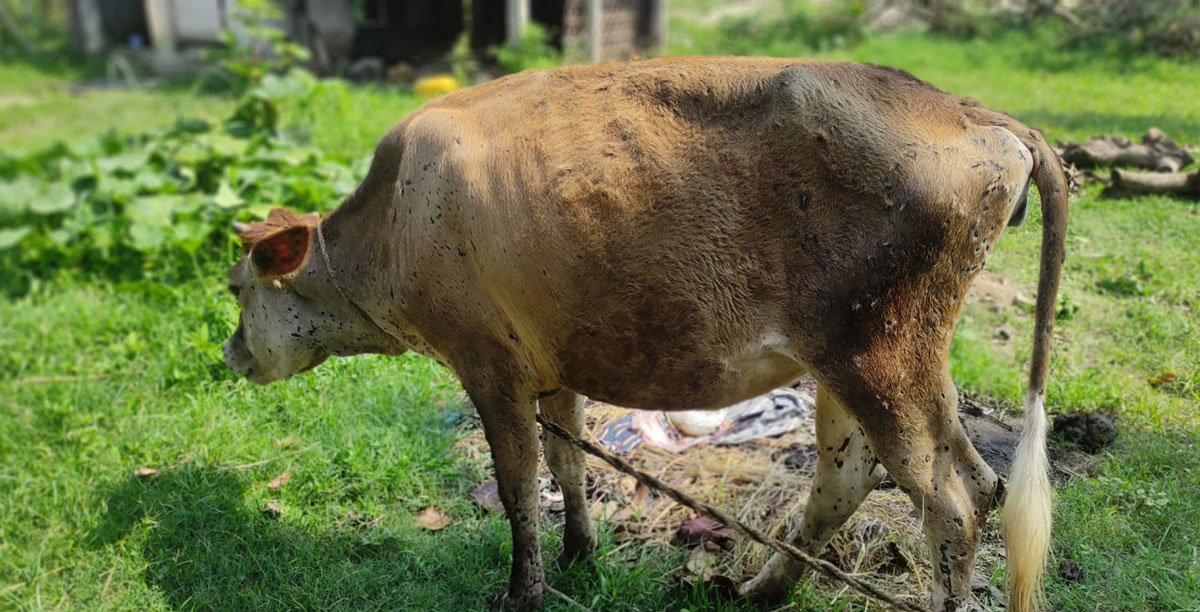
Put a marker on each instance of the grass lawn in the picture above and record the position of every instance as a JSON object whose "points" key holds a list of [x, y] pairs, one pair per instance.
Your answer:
{"points": [[99, 379]]}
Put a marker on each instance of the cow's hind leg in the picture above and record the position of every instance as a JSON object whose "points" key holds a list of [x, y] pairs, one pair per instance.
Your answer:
{"points": [[913, 426], [846, 473], [511, 429], [566, 462]]}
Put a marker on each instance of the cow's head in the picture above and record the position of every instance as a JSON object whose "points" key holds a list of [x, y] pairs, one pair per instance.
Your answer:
{"points": [[293, 317]]}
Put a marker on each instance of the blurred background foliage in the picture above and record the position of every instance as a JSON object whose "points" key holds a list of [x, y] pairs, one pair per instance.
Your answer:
{"points": [[159, 201]]}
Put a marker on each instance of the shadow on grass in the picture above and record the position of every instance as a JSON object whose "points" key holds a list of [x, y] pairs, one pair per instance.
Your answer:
{"points": [[206, 547]]}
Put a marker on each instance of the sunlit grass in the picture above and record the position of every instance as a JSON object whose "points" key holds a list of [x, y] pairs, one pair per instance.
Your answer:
{"points": [[97, 380]]}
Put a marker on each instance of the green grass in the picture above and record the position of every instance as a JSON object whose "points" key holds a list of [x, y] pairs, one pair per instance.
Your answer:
{"points": [[369, 441], [42, 102]]}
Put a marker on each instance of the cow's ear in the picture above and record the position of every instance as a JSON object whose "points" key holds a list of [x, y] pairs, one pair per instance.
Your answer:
{"points": [[282, 252]]}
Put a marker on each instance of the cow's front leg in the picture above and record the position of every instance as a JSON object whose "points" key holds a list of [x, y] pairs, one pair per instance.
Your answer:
{"points": [[510, 426]]}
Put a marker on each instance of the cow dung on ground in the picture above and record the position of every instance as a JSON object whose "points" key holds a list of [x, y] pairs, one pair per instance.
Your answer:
{"points": [[1090, 430]]}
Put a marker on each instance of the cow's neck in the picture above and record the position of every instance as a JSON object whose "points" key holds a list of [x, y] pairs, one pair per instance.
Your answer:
{"points": [[361, 245]]}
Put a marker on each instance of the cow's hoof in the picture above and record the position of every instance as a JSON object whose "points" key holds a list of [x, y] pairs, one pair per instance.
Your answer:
{"points": [[530, 599], [766, 588], [574, 552]]}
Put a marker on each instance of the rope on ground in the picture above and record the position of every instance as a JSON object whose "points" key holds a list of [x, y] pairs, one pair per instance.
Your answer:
{"points": [[828, 569], [563, 596]]}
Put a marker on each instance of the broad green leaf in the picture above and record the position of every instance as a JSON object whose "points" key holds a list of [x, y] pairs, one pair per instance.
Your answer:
{"points": [[12, 236], [63, 236], [297, 156], [260, 211], [294, 84], [362, 165], [146, 238], [149, 180], [16, 196], [292, 156], [192, 154], [191, 125], [338, 177], [226, 197], [129, 162], [83, 148], [56, 198], [189, 203], [189, 235], [187, 175], [119, 189], [74, 169], [248, 175], [103, 234], [154, 210], [343, 185], [227, 146]]}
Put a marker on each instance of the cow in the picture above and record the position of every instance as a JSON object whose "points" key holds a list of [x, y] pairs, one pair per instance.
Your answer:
{"points": [[687, 233]]}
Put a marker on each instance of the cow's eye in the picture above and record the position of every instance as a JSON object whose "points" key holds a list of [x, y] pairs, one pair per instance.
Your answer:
{"points": [[235, 290]]}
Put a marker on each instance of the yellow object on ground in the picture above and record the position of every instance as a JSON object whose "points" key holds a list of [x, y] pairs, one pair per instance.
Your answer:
{"points": [[435, 85]]}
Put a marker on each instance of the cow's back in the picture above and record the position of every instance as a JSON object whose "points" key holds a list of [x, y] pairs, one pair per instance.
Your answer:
{"points": [[623, 225]]}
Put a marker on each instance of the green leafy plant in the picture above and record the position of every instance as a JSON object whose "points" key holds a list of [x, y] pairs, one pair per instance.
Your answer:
{"points": [[462, 59], [1133, 495], [533, 50], [264, 50], [795, 25], [1068, 307], [1132, 284], [159, 204]]}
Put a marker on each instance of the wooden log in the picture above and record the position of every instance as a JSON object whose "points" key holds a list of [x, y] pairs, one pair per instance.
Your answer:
{"points": [[1156, 152], [1130, 182]]}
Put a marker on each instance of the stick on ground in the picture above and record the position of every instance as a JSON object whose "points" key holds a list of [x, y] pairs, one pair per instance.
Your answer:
{"points": [[828, 569]]}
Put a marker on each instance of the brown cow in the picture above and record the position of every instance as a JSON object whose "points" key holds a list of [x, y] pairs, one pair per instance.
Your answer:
{"points": [[684, 233]]}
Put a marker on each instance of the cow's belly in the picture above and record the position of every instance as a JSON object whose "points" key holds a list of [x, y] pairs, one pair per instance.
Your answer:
{"points": [[675, 380]]}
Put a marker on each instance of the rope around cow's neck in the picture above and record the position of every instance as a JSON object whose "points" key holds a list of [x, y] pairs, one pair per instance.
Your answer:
{"points": [[333, 279], [825, 567]]}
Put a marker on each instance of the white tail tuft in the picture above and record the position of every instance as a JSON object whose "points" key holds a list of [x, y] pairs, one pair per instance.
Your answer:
{"points": [[1027, 510]]}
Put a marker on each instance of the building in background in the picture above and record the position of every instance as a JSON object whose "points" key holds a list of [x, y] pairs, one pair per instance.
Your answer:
{"points": [[170, 34]]}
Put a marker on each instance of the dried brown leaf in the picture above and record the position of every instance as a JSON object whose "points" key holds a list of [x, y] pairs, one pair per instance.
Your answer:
{"points": [[639, 495], [280, 480], [702, 558], [700, 529], [432, 519], [1164, 378], [487, 494], [146, 472]]}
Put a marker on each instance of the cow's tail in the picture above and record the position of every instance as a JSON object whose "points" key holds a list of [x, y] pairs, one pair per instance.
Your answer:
{"points": [[1027, 508]]}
